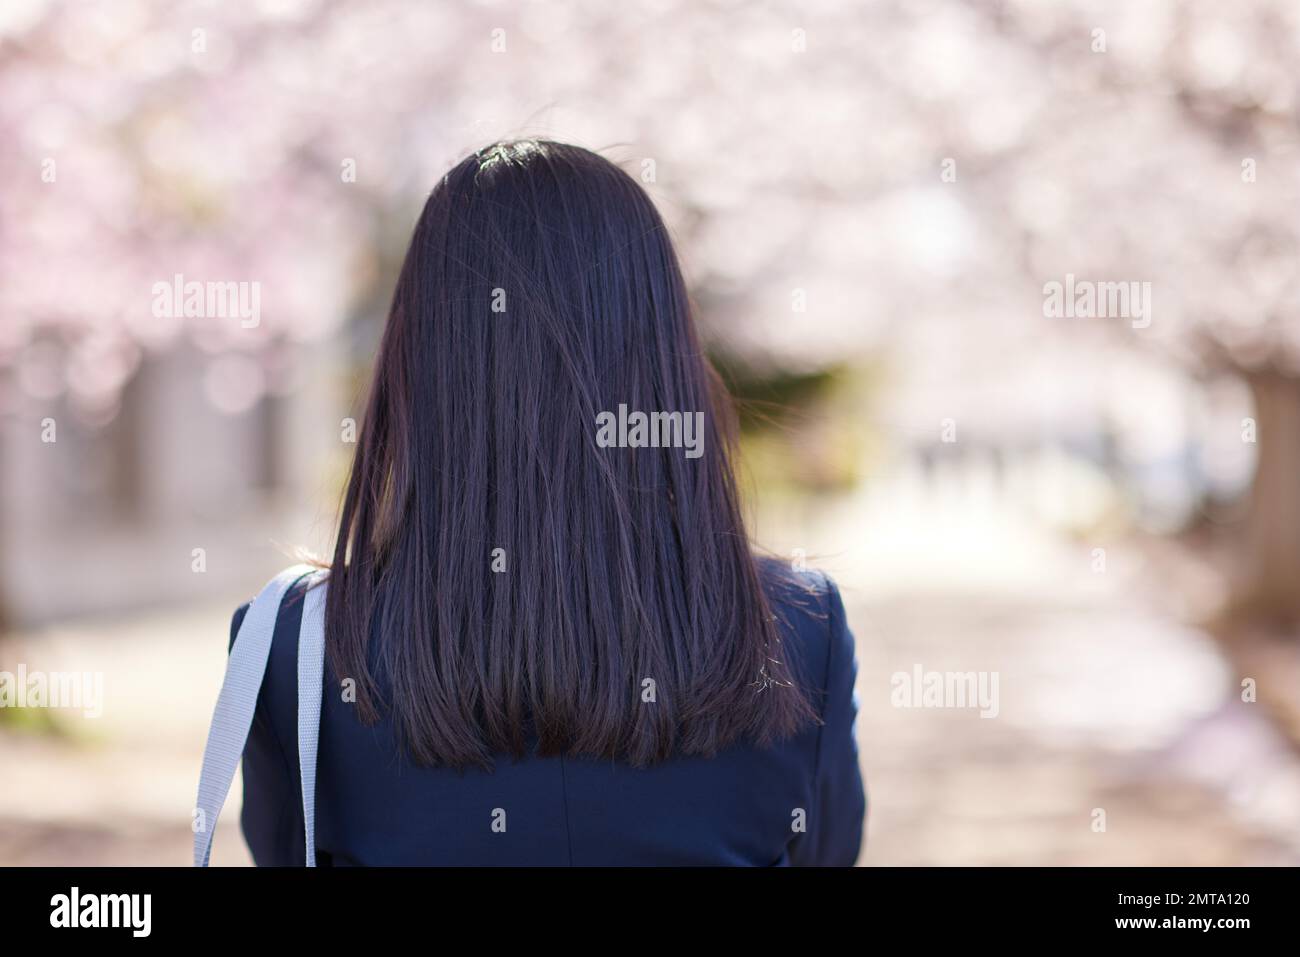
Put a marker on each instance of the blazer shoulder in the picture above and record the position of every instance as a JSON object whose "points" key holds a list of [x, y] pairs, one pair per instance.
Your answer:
{"points": [[237, 622], [810, 613]]}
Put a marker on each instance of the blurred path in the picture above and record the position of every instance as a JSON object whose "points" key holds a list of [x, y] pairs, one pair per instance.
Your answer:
{"points": [[119, 789], [1106, 701], [1108, 711]]}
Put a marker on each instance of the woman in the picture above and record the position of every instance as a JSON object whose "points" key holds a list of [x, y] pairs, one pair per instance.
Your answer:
{"points": [[547, 640]]}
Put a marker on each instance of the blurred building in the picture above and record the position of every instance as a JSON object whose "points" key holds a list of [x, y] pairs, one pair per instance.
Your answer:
{"points": [[108, 517]]}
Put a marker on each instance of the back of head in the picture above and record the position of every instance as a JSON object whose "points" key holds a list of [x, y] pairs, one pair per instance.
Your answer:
{"points": [[541, 533]]}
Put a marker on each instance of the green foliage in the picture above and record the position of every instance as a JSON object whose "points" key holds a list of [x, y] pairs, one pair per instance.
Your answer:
{"points": [[802, 432]]}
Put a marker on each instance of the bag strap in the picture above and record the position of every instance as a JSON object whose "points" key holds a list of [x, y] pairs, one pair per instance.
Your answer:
{"points": [[233, 716], [311, 668]]}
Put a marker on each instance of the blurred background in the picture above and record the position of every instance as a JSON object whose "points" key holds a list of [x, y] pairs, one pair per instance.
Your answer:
{"points": [[869, 200]]}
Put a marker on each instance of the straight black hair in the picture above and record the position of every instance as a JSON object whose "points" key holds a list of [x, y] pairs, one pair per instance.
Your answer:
{"points": [[507, 577]]}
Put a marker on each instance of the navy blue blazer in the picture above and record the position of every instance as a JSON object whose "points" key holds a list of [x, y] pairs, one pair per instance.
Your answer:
{"points": [[797, 802]]}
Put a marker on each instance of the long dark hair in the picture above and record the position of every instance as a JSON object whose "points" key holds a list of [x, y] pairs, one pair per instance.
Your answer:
{"points": [[503, 580]]}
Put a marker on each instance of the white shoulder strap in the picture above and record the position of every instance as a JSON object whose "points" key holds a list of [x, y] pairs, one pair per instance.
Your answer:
{"points": [[233, 716], [311, 668]]}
